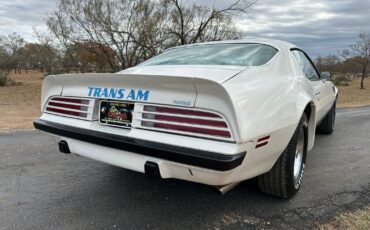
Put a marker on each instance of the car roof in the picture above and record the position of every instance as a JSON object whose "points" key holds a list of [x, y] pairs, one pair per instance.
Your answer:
{"points": [[279, 44]]}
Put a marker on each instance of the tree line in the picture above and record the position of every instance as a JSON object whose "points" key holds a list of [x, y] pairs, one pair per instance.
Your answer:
{"points": [[351, 63]]}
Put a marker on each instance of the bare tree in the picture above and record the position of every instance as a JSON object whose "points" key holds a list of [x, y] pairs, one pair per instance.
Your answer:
{"points": [[329, 63], [48, 54], [57, 23], [5, 65], [359, 53], [6, 61], [350, 68], [115, 25], [199, 23], [13, 44], [90, 57], [138, 29]]}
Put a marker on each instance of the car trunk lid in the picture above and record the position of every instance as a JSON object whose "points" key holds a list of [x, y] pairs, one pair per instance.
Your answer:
{"points": [[174, 85], [130, 87]]}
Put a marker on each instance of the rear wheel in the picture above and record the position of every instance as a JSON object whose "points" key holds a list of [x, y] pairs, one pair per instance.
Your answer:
{"points": [[284, 179], [327, 124]]}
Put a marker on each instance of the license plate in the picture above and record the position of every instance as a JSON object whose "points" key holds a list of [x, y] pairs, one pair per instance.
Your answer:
{"points": [[116, 113]]}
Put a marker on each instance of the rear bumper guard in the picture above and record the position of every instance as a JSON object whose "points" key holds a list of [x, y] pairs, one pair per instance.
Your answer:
{"points": [[189, 156]]}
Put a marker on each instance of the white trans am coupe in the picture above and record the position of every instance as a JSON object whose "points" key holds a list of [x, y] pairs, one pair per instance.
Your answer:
{"points": [[215, 113]]}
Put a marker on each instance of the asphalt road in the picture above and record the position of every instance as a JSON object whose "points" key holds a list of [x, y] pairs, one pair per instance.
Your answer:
{"points": [[41, 188]]}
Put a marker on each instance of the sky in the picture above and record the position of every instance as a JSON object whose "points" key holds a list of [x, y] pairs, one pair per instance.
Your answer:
{"points": [[320, 27]]}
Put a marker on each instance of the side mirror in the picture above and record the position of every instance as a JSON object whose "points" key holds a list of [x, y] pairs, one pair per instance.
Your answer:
{"points": [[325, 75]]}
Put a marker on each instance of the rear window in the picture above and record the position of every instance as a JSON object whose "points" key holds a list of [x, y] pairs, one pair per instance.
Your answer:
{"points": [[215, 54]]}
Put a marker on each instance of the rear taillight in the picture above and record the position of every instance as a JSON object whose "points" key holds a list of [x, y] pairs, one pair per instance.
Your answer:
{"points": [[185, 121], [178, 111], [71, 107]]}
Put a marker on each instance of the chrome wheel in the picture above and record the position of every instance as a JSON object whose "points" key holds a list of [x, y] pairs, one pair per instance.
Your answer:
{"points": [[298, 159], [285, 178]]}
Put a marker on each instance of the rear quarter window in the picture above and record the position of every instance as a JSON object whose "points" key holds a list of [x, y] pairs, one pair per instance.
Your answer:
{"points": [[305, 64]]}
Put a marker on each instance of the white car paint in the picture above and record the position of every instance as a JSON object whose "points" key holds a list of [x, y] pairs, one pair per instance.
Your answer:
{"points": [[254, 101]]}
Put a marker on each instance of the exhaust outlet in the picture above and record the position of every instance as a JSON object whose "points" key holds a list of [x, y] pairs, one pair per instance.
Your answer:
{"points": [[63, 147], [226, 188], [152, 169]]}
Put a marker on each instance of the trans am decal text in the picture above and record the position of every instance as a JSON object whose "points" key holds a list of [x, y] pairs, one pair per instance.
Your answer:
{"points": [[119, 93]]}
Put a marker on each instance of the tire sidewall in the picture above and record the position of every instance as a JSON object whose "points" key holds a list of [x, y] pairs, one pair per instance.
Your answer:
{"points": [[292, 188], [334, 108]]}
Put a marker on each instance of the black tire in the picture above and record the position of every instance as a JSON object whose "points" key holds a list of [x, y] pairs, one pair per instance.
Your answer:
{"points": [[280, 180], [327, 124]]}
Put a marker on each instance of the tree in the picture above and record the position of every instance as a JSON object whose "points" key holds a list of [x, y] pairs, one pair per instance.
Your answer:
{"points": [[49, 56], [10, 55], [359, 53], [31, 56], [199, 23], [12, 44], [90, 56], [116, 25], [350, 68], [138, 29], [40, 56], [5, 65], [329, 63]]}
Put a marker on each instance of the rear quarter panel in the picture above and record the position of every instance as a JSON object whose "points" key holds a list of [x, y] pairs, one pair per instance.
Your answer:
{"points": [[270, 100]]}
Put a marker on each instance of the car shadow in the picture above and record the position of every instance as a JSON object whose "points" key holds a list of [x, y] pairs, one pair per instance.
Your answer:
{"points": [[129, 194]]}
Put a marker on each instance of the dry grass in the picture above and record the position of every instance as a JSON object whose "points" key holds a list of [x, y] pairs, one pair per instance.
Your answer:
{"points": [[358, 220], [353, 96], [20, 104]]}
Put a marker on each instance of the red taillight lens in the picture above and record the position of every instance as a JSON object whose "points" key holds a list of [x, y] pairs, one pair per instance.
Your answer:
{"points": [[178, 111], [185, 120], [68, 106], [212, 132], [71, 100], [66, 112]]}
